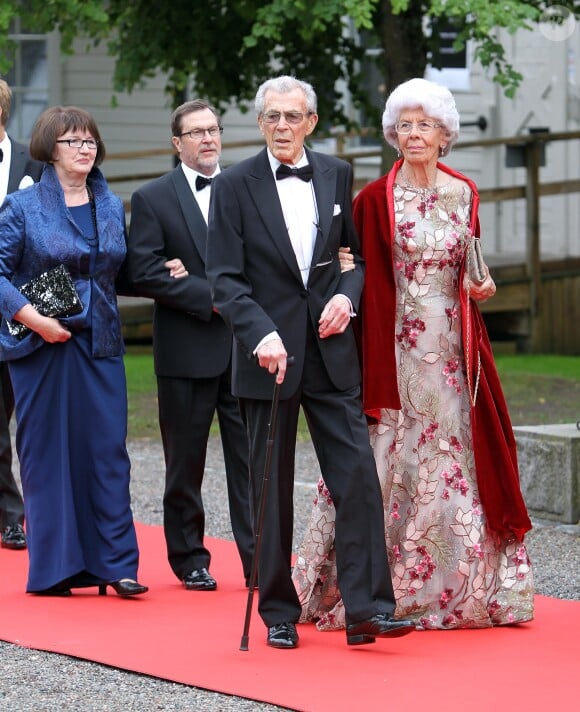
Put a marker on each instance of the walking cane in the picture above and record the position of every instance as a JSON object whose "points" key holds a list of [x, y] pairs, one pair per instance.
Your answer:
{"points": [[262, 509]]}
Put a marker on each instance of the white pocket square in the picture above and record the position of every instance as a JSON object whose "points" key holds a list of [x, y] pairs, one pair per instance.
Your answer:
{"points": [[26, 182], [336, 210]]}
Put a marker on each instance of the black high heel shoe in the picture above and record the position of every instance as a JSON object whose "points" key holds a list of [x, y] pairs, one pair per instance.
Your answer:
{"points": [[124, 587]]}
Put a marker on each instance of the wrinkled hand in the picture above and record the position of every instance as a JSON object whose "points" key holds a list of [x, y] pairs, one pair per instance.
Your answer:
{"points": [[273, 356], [176, 268], [335, 316], [346, 259], [483, 291]]}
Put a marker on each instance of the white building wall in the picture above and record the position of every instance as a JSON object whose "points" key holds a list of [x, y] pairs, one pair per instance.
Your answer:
{"points": [[547, 97], [542, 101]]}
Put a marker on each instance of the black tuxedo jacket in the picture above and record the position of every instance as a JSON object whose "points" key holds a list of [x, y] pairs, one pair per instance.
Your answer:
{"points": [[255, 279], [22, 165], [190, 339]]}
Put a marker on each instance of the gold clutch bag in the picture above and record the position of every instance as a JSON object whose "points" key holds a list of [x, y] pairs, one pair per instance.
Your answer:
{"points": [[476, 270]]}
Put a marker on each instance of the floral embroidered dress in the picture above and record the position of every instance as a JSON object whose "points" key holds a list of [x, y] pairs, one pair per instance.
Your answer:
{"points": [[448, 570]]}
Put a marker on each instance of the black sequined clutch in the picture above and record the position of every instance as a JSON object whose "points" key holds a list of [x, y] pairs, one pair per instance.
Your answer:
{"points": [[52, 294]]}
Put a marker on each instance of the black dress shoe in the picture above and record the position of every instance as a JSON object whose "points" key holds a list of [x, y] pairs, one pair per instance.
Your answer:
{"points": [[379, 626], [282, 635], [124, 587], [13, 537], [199, 580]]}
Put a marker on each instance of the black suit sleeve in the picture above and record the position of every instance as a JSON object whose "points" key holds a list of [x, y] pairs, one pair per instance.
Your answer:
{"points": [[152, 228]]}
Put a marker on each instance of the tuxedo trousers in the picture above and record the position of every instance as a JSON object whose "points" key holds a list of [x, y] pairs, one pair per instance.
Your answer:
{"points": [[186, 410], [340, 437]]}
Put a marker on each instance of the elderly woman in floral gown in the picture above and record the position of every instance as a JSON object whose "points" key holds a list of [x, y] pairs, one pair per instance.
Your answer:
{"points": [[455, 518]]}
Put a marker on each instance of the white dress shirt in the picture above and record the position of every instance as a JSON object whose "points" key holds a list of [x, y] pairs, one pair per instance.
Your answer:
{"points": [[202, 196], [300, 213], [6, 147]]}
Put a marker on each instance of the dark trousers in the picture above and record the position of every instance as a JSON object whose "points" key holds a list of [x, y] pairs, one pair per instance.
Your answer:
{"points": [[186, 410], [11, 505], [340, 436]]}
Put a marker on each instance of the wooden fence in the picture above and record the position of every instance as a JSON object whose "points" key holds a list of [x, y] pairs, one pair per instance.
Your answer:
{"points": [[537, 304]]}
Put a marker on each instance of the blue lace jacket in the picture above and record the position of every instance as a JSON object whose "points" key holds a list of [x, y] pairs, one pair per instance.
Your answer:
{"points": [[37, 232]]}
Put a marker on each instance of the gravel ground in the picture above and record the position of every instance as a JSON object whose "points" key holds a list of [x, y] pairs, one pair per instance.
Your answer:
{"points": [[45, 682]]}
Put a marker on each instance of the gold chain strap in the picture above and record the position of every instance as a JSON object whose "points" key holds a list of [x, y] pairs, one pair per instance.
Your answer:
{"points": [[472, 391]]}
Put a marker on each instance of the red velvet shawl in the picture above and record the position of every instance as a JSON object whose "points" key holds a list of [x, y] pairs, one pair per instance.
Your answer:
{"points": [[493, 439]]}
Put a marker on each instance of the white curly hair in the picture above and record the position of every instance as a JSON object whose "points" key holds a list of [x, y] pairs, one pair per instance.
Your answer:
{"points": [[435, 100]]}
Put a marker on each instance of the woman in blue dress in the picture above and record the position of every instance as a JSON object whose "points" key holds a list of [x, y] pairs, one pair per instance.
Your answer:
{"points": [[68, 373]]}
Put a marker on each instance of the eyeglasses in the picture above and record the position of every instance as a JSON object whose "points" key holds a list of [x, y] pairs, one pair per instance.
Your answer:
{"points": [[91, 143], [424, 127], [291, 117], [200, 133]]}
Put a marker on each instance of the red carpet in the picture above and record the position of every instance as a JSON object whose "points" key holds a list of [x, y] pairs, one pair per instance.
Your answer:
{"points": [[194, 638]]}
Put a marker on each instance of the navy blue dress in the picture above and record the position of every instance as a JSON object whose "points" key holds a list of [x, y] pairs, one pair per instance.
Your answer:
{"points": [[71, 410]]}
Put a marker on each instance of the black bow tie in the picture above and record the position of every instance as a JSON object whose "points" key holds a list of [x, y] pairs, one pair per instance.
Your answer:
{"points": [[201, 182], [1, 155], [304, 173]]}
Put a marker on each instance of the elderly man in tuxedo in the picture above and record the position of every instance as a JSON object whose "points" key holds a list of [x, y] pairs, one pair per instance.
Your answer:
{"points": [[192, 345], [277, 221], [17, 170]]}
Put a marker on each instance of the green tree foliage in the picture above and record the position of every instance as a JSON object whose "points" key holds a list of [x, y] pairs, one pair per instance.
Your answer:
{"points": [[227, 47]]}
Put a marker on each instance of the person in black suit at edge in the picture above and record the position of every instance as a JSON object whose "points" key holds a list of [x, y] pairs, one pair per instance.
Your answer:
{"points": [[17, 170], [277, 221], [192, 345]]}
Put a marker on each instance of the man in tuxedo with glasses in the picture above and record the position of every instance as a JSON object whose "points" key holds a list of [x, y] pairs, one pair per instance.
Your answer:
{"points": [[191, 345], [17, 170]]}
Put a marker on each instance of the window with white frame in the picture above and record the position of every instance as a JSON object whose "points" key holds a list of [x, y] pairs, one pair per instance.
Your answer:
{"points": [[28, 78], [453, 69]]}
